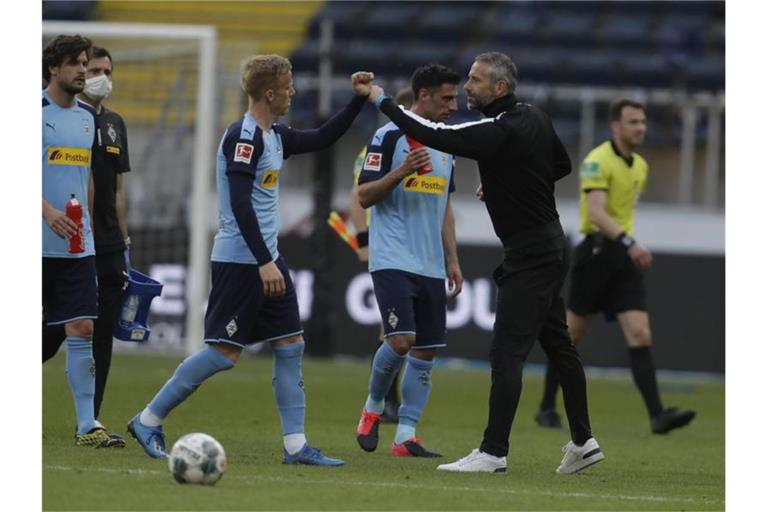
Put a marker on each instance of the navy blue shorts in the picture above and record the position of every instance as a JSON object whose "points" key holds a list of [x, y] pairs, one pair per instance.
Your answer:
{"points": [[70, 289], [411, 304], [238, 313]]}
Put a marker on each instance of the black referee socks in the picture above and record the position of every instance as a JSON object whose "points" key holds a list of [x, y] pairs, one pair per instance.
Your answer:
{"points": [[644, 374]]}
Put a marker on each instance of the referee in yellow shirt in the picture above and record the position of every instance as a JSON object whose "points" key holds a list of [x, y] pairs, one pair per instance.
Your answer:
{"points": [[607, 270]]}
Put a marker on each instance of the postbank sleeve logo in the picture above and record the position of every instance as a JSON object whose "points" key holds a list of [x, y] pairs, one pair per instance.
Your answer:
{"points": [[269, 179], [243, 152], [372, 162], [425, 184], [69, 156]]}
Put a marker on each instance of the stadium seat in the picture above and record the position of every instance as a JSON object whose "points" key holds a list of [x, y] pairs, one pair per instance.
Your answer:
{"points": [[515, 27], [447, 22], [71, 11], [390, 21], [591, 68], [621, 31], [706, 73], [644, 70], [571, 29], [377, 56], [421, 54]]}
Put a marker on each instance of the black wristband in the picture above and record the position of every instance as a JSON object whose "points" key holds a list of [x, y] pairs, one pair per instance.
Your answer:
{"points": [[626, 240], [362, 239]]}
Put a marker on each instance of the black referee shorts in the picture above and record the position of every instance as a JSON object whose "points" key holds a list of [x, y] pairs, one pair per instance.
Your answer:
{"points": [[604, 279]]}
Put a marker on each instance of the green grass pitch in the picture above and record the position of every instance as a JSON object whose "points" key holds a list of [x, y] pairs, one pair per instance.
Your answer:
{"points": [[684, 470]]}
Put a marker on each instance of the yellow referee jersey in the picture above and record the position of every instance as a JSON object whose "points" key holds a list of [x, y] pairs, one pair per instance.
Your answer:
{"points": [[605, 169]]}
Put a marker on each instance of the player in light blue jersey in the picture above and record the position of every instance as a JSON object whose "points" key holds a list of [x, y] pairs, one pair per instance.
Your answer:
{"points": [[412, 247], [253, 299], [69, 279]]}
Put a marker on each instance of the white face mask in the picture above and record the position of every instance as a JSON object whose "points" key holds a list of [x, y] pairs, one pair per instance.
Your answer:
{"points": [[98, 87]]}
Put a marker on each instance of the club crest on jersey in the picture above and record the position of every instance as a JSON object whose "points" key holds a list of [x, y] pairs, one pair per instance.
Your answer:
{"points": [[86, 126], [243, 152], [111, 132], [270, 178], [392, 319], [231, 328], [372, 162]]}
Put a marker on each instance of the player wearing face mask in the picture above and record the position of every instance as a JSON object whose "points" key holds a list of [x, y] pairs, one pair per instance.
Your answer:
{"points": [[109, 162]]}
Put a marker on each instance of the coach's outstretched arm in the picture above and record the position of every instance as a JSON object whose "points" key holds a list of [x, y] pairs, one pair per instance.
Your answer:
{"points": [[477, 140], [307, 141]]}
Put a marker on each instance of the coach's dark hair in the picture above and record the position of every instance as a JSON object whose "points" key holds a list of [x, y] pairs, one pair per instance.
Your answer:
{"points": [[97, 52], [63, 49], [616, 108], [432, 76], [500, 67]]}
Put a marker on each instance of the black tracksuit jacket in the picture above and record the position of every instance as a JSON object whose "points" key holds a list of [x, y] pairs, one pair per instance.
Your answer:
{"points": [[519, 156]]}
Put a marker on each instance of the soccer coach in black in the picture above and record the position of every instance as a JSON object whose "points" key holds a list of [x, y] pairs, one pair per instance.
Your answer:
{"points": [[520, 157]]}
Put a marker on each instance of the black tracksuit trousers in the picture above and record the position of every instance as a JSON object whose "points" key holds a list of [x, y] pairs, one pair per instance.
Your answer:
{"points": [[530, 307]]}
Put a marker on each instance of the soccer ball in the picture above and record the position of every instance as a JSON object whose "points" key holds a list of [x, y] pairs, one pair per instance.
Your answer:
{"points": [[197, 459]]}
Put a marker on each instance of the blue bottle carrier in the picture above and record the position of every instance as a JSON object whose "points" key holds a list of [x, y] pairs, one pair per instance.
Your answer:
{"points": [[131, 323]]}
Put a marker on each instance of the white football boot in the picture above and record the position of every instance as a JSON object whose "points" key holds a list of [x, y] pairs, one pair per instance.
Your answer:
{"points": [[477, 462], [577, 458]]}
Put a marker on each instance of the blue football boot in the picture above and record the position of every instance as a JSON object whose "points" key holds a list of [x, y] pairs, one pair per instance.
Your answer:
{"points": [[151, 439], [311, 457]]}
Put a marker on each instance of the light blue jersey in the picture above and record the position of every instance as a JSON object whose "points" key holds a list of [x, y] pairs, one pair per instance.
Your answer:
{"points": [[68, 135], [246, 148], [405, 231]]}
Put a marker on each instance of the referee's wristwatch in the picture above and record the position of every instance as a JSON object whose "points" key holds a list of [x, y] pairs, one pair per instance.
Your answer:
{"points": [[626, 240]]}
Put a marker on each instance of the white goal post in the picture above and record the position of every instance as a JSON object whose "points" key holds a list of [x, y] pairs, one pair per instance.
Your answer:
{"points": [[202, 161]]}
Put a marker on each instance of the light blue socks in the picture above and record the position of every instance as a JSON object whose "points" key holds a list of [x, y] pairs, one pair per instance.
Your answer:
{"points": [[81, 377], [386, 364], [415, 387], [192, 372], [288, 385]]}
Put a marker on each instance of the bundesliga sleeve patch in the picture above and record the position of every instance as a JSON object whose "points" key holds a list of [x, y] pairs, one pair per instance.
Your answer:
{"points": [[243, 152], [372, 162]]}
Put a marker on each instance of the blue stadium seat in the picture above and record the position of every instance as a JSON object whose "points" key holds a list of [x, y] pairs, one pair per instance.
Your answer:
{"points": [[705, 72], [521, 27], [391, 21], [539, 65], [572, 29], [447, 21], [377, 56], [305, 57], [70, 11], [591, 68], [647, 70], [681, 33], [420, 54], [345, 16], [621, 31]]}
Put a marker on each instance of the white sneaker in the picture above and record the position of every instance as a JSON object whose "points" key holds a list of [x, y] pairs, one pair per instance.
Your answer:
{"points": [[577, 458], [477, 462]]}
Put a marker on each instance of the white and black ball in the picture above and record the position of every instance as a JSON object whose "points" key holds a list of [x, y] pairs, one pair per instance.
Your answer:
{"points": [[197, 459]]}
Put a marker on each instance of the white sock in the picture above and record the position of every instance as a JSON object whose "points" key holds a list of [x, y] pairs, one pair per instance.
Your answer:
{"points": [[293, 442], [150, 419]]}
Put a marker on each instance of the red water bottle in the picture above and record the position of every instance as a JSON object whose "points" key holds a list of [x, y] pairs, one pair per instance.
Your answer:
{"points": [[74, 211], [414, 144]]}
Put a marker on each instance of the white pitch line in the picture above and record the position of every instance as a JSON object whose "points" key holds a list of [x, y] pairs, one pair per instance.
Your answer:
{"points": [[627, 497]]}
